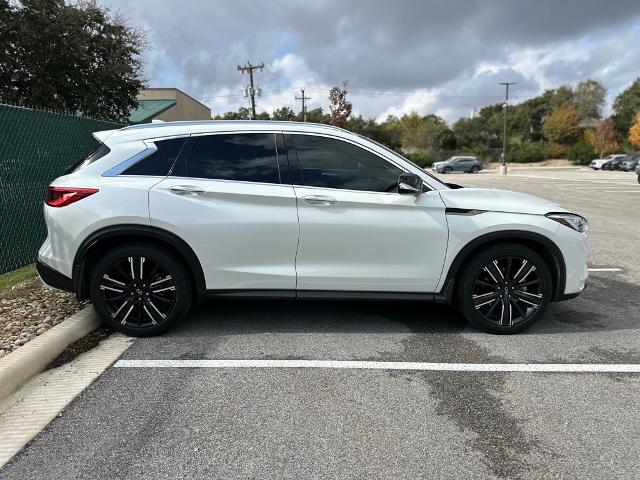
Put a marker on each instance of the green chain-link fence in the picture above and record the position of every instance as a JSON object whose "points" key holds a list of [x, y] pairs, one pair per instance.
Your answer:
{"points": [[36, 146]]}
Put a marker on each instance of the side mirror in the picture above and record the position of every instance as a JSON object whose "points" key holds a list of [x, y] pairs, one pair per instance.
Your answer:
{"points": [[409, 183]]}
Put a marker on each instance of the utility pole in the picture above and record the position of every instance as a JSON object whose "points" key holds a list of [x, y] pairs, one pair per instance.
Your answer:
{"points": [[503, 167], [251, 90], [304, 110]]}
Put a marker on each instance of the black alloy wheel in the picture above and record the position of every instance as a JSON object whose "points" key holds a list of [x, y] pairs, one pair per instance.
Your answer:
{"points": [[505, 288], [507, 291], [140, 290]]}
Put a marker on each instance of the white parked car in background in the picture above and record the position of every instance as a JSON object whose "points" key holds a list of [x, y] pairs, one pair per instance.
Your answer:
{"points": [[160, 216], [598, 162]]}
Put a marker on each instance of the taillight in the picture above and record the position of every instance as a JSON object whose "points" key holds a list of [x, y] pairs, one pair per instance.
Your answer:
{"points": [[63, 196]]}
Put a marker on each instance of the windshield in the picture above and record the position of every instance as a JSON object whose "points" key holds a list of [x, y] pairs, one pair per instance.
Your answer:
{"points": [[393, 152]]}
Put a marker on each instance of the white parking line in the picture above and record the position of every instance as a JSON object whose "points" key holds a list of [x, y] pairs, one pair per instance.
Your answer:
{"points": [[604, 269], [365, 365]]}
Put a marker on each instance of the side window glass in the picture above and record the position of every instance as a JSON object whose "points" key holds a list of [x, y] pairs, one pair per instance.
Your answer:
{"points": [[332, 163], [247, 157], [159, 163]]}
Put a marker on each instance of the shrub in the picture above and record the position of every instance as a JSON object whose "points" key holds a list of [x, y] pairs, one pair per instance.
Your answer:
{"points": [[581, 152], [526, 152], [421, 158], [555, 150]]}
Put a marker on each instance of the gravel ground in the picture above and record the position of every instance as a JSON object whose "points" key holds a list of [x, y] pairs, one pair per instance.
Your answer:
{"points": [[29, 309]]}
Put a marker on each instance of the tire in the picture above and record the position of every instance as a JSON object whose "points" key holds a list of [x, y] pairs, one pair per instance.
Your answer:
{"points": [[482, 300], [446, 170], [123, 293], [474, 170], [638, 178]]}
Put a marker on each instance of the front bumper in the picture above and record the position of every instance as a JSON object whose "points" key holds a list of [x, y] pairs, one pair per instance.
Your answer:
{"points": [[53, 278]]}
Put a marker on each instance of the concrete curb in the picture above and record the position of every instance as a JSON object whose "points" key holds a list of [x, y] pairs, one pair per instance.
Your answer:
{"points": [[33, 357]]}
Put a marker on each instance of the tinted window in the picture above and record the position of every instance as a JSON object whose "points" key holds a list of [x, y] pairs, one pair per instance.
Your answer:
{"points": [[159, 163], [95, 154], [331, 163], [248, 157]]}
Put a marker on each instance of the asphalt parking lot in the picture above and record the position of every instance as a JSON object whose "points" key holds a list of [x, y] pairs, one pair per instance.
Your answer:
{"points": [[352, 423]]}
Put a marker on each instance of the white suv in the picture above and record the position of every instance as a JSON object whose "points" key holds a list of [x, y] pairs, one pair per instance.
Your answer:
{"points": [[162, 215]]}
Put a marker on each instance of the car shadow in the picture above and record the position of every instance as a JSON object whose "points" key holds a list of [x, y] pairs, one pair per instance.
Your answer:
{"points": [[608, 304]]}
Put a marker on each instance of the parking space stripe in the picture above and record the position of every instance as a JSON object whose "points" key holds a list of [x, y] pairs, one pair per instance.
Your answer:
{"points": [[367, 365], [604, 269]]}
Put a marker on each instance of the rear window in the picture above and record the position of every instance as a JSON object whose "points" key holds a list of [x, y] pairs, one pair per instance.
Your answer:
{"points": [[159, 163], [245, 157], [95, 154]]}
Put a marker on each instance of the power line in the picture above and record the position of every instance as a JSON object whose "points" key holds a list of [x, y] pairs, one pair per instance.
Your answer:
{"points": [[250, 90], [303, 98], [371, 94]]}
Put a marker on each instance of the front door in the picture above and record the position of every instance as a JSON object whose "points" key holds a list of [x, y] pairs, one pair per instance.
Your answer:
{"points": [[356, 232]]}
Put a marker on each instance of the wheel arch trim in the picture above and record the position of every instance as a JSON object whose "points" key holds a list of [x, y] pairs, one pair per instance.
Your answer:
{"points": [[558, 270], [132, 230]]}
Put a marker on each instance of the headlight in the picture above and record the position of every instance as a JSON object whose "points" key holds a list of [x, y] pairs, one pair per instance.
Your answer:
{"points": [[571, 220]]}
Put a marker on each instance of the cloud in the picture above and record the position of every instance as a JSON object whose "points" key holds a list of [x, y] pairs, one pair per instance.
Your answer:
{"points": [[428, 56]]}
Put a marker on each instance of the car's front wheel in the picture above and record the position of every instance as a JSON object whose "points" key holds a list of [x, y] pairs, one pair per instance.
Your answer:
{"points": [[505, 288], [140, 290], [446, 170]]}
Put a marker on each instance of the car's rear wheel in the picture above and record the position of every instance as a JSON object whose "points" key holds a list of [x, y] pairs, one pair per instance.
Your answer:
{"points": [[475, 169], [140, 290], [505, 288]]}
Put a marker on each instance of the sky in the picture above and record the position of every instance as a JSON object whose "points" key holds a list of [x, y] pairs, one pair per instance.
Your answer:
{"points": [[442, 57]]}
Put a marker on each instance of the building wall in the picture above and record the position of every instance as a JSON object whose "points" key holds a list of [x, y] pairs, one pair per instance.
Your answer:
{"points": [[186, 107]]}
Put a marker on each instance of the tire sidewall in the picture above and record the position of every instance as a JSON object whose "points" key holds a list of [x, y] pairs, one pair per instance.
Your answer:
{"points": [[471, 270], [172, 267]]}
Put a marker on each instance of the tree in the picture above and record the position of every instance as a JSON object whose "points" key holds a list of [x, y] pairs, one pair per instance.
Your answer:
{"points": [[626, 106], [589, 99], [423, 133], [581, 152], [317, 115], [283, 113], [634, 132], [562, 125], [339, 106], [243, 113], [603, 139], [73, 57]]}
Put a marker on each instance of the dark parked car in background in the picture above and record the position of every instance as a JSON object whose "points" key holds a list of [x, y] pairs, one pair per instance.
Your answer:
{"points": [[629, 163], [638, 171], [614, 163], [458, 164]]}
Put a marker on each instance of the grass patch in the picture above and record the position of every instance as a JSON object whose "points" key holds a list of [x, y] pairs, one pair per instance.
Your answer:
{"points": [[9, 280]]}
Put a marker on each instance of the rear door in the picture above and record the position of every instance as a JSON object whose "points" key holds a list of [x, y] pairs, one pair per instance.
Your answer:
{"points": [[224, 197], [356, 232]]}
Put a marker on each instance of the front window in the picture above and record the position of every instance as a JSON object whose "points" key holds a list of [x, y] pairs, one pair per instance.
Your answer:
{"points": [[396, 154], [332, 163]]}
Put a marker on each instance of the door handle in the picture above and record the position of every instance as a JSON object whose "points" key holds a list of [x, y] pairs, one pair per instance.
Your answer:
{"points": [[187, 190], [319, 200]]}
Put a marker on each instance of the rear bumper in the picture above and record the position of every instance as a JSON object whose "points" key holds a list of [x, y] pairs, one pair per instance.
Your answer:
{"points": [[53, 278]]}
